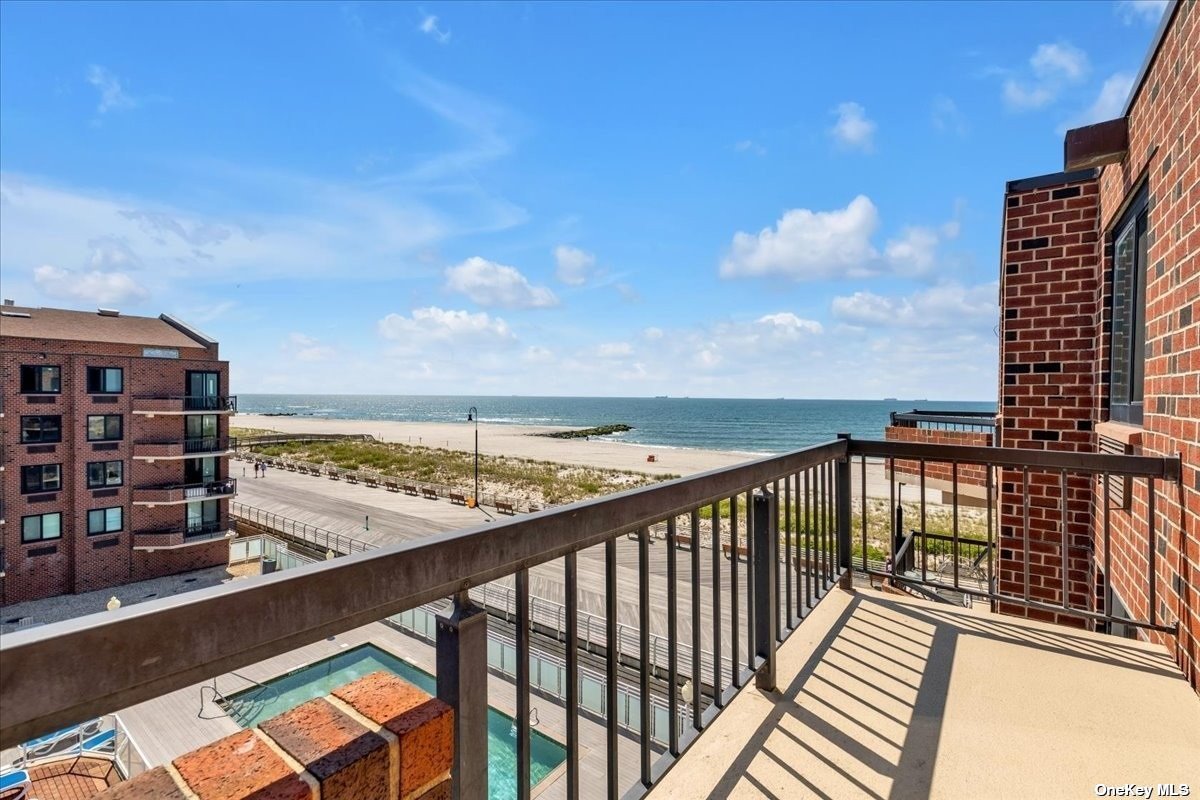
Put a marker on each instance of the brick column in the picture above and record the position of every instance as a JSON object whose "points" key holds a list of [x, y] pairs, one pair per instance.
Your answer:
{"points": [[376, 738], [1049, 298]]}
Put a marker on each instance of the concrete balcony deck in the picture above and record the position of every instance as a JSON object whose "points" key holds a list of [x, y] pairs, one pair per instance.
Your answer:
{"points": [[164, 405], [883, 696], [184, 493], [152, 450]]}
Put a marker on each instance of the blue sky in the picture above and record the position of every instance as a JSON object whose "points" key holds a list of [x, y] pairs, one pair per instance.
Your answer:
{"points": [[756, 200]]}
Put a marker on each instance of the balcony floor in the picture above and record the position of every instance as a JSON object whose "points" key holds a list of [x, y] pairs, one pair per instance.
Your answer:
{"points": [[884, 696]]}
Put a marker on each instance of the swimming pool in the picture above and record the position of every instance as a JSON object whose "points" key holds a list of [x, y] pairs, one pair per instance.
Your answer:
{"points": [[252, 706]]}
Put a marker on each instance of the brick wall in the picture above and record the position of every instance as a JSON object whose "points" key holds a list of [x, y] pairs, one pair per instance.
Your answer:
{"points": [[77, 562], [1049, 297], [968, 474], [377, 738], [1164, 155]]}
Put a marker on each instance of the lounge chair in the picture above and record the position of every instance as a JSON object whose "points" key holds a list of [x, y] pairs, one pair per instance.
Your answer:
{"points": [[17, 779], [52, 743]]}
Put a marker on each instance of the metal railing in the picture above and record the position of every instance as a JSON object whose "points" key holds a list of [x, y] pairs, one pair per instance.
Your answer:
{"points": [[185, 445], [266, 439], [178, 493], [144, 658], [320, 538], [792, 515], [190, 532], [983, 421], [168, 402], [1039, 508]]}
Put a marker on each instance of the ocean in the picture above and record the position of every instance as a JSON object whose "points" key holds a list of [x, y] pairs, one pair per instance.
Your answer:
{"points": [[757, 426]]}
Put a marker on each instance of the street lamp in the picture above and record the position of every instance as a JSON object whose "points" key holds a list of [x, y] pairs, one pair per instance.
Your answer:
{"points": [[473, 416]]}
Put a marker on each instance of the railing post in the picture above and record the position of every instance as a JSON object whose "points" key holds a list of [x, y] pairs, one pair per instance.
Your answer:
{"points": [[766, 586], [462, 684], [842, 492]]}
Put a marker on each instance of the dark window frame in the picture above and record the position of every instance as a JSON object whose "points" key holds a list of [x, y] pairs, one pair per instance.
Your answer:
{"points": [[107, 437], [1127, 336], [104, 484], [41, 437], [96, 375], [41, 487], [104, 529], [41, 526], [28, 381]]}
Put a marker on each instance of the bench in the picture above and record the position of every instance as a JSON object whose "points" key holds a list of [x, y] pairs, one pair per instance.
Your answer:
{"points": [[391, 486], [429, 494], [410, 489], [458, 499], [742, 551], [290, 467], [505, 508], [351, 477], [683, 541], [371, 480], [333, 476]]}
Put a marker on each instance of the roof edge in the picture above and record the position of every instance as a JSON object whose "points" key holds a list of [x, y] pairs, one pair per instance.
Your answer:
{"points": [[1052, 179], [188, 330], [1151, 54]]}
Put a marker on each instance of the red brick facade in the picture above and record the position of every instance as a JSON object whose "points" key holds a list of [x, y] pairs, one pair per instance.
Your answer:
{"points": [[968, 474], [76, 561], [1056, 357]]}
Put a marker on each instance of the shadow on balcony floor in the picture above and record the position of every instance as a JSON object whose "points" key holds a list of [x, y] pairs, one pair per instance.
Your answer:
{"points": [[885, 697]]}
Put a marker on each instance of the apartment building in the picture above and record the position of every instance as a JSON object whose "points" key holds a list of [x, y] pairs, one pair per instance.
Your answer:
{"points": [[115, 433], [1100, 351]]}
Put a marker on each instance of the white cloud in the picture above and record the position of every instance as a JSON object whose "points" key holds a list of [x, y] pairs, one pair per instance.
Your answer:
{"points": [[88, 286], [429, 27], [442, 325], [808, 245], [1052, 67], [112, 95], [750, 146], [305, 348], [1109, 103], [947, 117], [853, 129], [949, 305], [490, 284], [653, 334], [788, 325], [574, 265], [628, 293], [914, 252], [536, 354], [1144, 11]]}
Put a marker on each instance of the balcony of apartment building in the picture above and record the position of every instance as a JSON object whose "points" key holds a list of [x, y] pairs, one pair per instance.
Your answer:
{"points": [[179, 493], [152, 405], [766, 630], [174, 448], [169, 537]]}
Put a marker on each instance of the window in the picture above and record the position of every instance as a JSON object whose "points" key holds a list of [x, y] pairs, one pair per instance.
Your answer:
{"points": [[41, 478], [202, 517], [1127, 378], [105, 473], [104, 520], [41, 380], [201, 433], [41, 429], [105, 380], [40, 527], [103, 427], [202, 391], [199, 470]]}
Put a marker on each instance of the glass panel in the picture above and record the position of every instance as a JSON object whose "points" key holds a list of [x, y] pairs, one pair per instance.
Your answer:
{"points": [[1138, 331], [31, 529], [96, 520], [52, 477], [95, 473], [51, 526], [1123, 314], [114, 471], [112, 519], [209, 510], [195, 514]]}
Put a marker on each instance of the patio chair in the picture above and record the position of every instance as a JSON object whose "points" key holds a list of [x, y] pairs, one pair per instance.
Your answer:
{"points": [[59, 741], [17, 779]]}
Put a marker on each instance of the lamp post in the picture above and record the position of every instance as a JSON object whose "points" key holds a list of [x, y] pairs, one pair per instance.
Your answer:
{"points": [[473, 416]]}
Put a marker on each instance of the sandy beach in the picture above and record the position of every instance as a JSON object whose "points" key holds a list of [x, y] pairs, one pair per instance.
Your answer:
{"points": [[511, 440]]}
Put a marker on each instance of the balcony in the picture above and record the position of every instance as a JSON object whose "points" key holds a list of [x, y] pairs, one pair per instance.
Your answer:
{"points": [[174, 449], [183, 493], [176, 536], [175, 405], [808, 667]]}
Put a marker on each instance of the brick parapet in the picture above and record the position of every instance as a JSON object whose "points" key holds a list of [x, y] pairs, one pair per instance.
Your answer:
{"points": [[968, 474], [378, 738]]}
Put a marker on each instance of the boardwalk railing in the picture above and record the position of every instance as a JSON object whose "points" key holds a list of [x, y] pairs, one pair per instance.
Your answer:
{"points": [[749, 607], [319, 538]]}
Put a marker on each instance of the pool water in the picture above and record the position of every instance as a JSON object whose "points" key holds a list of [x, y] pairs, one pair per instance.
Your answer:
{"points": [[281, 694]]}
